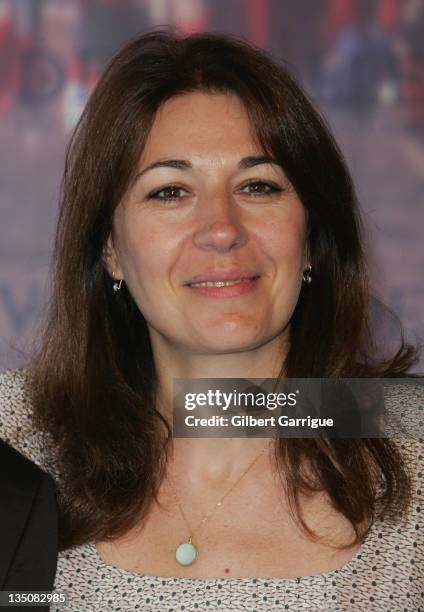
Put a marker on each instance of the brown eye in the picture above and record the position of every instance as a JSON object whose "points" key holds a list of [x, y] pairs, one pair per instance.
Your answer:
{"points": [[167, 194], [260, 189]]}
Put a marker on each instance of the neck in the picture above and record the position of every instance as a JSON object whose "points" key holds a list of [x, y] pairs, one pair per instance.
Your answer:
{"points": [[213, 461]]}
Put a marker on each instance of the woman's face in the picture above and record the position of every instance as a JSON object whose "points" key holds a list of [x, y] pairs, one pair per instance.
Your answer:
{"points": [[211, 237]]}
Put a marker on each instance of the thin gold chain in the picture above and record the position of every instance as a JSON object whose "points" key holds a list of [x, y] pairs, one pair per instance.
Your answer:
{"points": [[218, 504]]}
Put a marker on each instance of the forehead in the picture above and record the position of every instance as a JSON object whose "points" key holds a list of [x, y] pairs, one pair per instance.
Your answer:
{"points": [[201, 124]]}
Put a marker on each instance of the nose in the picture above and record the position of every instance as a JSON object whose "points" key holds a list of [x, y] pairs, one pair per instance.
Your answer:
{"points": [[220, 226]]}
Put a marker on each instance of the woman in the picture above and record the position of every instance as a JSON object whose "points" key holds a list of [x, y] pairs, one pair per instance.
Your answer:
{"points": [[209, 228]]}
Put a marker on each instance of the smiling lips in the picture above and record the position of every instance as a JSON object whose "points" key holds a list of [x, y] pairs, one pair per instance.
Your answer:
{"points": [[224, 283]]}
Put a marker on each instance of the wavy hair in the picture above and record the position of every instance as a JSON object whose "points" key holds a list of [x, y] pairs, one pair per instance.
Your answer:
{"points": [[93, 379]]}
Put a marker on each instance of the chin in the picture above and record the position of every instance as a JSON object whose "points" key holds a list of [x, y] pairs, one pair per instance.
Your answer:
{"points": [[227, 342]]}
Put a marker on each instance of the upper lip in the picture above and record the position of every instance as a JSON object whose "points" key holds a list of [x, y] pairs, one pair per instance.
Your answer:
{"points": [[228, 274]]}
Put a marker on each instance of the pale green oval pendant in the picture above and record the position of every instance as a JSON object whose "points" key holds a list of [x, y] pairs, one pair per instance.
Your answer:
{"points": [[186, 553]]}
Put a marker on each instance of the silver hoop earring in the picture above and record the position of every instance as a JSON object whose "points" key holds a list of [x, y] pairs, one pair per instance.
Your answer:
{"points": [[117, 285], [307, 278]]}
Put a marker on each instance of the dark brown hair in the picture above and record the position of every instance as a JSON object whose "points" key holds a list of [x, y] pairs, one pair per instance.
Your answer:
{"points": [[94, 383]]}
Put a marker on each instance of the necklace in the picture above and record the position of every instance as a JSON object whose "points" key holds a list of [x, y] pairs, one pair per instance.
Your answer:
{"points": [[187, 552]]}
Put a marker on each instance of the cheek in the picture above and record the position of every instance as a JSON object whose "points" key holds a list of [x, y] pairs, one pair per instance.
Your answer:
{"points": [[148, 253], [283, 240]]}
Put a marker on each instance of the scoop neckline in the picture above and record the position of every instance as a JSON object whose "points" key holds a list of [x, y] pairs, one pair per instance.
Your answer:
{"points": [[358, 557]]}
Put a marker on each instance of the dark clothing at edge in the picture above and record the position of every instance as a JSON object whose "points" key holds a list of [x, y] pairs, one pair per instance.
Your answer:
{"points": [[28, 526]]}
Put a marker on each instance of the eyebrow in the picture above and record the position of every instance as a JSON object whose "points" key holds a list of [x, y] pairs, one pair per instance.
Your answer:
{"points": [[183, 164]]}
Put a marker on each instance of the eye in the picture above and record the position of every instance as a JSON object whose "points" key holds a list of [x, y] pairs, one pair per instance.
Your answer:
{"points": [[260, 189], [167, 194]]}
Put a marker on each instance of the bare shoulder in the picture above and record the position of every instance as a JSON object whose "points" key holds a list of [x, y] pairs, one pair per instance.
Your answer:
{"points": [[17, 426]]}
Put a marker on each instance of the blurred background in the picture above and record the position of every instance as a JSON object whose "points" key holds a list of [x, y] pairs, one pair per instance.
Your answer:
{"points": [[361, 61]]}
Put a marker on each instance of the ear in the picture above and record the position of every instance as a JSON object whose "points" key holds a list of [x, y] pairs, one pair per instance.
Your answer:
{"points": [[111, 260]]}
